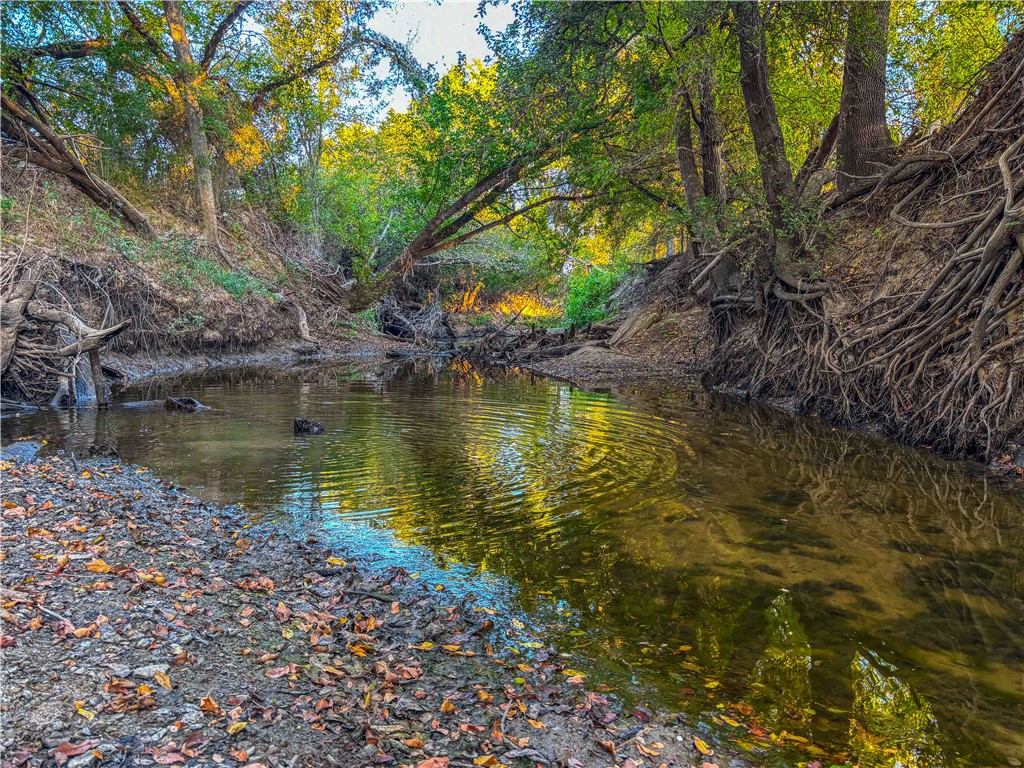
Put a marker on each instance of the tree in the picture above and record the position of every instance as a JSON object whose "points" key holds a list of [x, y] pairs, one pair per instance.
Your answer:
{"points": [[863, 138], [187, 75], [776, 175]]}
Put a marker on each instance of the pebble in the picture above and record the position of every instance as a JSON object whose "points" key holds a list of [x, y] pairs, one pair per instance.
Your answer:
{"points": [[149, 671]]}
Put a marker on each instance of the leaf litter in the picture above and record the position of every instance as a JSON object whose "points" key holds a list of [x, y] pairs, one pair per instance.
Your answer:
{"points": [[142, 626]]}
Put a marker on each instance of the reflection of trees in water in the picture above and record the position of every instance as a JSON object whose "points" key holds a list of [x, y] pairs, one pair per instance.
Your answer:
{"points": [[780, 684], [715, 624], [890, 725]]}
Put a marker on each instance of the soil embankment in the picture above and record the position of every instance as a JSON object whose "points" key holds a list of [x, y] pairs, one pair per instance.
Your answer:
{"points": [[142, 626]]}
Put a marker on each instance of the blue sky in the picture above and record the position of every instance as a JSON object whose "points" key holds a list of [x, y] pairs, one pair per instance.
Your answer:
{"points": [[439, 32]]}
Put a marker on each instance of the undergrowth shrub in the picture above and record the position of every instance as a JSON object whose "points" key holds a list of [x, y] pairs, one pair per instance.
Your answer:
{"points": [[187, 267], [589, 292]]}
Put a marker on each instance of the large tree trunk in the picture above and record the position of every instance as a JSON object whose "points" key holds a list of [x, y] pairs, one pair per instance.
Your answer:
{"points": [[764, 121], [863, 135], [187, 75], [686, 157], [711, 140]]}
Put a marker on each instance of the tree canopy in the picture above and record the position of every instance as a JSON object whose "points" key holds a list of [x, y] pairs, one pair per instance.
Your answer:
{"points": [[593, 127]]}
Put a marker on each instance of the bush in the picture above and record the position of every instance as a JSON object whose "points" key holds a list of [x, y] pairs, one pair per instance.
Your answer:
{"points": [[589, 292]]}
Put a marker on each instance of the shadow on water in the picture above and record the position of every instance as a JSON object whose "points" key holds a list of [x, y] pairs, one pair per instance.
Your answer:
{"points": [[845, 598]]}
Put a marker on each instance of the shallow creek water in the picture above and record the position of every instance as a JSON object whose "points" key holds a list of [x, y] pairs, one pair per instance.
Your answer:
{"points": [[858, 600]]}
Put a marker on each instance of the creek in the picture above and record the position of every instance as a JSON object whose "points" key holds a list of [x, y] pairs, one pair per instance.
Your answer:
{"points": [[859, 600]]}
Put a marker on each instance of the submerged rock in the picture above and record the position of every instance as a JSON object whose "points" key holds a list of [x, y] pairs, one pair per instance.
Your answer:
{"points": [[304, 426], [25, 450]]}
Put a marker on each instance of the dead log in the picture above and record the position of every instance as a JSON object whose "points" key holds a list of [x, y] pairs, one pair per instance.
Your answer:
{"points": [[303, 426], [187, 404], [638, 323], [33, 140]]}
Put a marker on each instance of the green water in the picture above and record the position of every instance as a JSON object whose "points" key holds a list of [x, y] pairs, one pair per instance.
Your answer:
{"points": [[857, 600]]}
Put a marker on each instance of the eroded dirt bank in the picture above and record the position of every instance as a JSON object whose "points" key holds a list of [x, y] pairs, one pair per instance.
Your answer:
{"points": [[142, 626]]}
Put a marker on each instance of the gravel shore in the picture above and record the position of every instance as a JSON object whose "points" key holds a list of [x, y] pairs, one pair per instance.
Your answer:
{"points": [[143, 626]]}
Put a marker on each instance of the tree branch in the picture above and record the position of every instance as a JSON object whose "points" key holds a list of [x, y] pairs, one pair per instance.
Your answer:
{"points": [[140, 29], [503, 220], [211, 47], [70, 49], [259, 98]]}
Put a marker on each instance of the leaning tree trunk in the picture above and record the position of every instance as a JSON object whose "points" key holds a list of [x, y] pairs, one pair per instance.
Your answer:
{"points": [[863, 135], [31, 139], [186, 77]]}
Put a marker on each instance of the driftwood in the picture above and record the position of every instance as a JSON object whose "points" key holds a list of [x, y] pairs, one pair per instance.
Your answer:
{"points": [[638, 323]]}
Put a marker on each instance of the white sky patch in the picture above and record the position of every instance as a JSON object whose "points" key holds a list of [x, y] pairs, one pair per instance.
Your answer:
{"points": [[438, 32]]}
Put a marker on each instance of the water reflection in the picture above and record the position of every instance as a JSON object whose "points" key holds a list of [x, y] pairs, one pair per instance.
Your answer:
{"points": [[890, 725], [780, 686], [705, 556]]}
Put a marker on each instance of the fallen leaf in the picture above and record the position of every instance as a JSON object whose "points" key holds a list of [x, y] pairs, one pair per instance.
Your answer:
{"points": [[169, 758], [434, 762], [98, 566], [288, 669], [702, 746], [207, 704], [62, 752], [237, 727], [282, 611], [447, 707]]}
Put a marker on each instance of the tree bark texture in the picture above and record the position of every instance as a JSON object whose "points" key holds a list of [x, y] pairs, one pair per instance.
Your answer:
{"points": [[863, 135]]}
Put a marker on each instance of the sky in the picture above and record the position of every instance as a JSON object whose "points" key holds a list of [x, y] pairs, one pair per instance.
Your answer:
{"points": [[437, 32]]}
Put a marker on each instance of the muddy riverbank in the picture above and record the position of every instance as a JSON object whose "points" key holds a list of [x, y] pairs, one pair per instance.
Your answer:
{"points": [[143, 626]]}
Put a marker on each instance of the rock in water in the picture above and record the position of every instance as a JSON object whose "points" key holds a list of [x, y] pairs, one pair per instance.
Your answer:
{"points": [[106, 450], [308, 427], [183, 404]]}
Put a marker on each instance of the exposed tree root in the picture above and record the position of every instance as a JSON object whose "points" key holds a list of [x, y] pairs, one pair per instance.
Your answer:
{"points": [[936, 357], [42, 342]]}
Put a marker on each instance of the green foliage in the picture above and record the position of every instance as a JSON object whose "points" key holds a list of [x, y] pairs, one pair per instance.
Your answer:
{"points": [[188, 269], [589, 292], [368, 319], [581, 101]]}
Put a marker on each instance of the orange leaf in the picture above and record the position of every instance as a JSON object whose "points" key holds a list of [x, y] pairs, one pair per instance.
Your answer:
{"points": [[98, 566], [207, 704]]}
